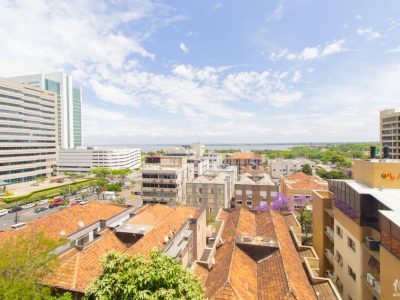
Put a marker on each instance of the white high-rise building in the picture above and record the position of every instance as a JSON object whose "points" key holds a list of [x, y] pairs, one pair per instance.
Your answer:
{"points": [[69, 104]]}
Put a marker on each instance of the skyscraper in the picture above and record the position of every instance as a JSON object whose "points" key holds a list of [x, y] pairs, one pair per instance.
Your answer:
{"points": [[69, 104], [28, 132]]}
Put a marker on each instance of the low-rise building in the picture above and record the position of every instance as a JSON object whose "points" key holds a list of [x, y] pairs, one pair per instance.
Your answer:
{"points": [[243, 160], [166, 183], [259, 255], [179, 151], [254, 190], [97, 229], [283, 167], [199, 149], [153, 159], [299, 188], [82, 160], [210, 191], [200, 165], [214, 160], [357, 231]]}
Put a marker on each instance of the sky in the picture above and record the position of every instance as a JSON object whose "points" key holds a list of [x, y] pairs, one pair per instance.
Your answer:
{"points": [[214, 71]]}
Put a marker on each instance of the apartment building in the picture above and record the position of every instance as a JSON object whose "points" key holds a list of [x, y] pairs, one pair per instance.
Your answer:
{"points": [[82, 160], [243, 160], [27, 132], [68, 105], [200, 165], [199, 149], [214, 160], [254, 190], [360, 243], [390, 133], [260, 255], [179, 151], [166, 183], [284, 167], [299, 188], [211, 191]]}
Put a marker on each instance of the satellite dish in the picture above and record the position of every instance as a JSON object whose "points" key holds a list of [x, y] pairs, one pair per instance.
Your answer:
{"points": [[81, 224], [62, 232]]}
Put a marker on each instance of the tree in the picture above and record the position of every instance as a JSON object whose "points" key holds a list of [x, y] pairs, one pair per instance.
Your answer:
{"points": [[307, 169], [305, 220], [334, 174], [101, 172], [114, 187], [122, 173], [134, 277], [120, 200], [25, 259]]}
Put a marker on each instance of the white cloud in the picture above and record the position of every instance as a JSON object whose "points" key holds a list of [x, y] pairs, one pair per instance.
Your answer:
{"points": [[296, 77], [277, 14], [358, 17], [369, 33], [393, 50], [183, 47], [309, 53], [334, 47]]}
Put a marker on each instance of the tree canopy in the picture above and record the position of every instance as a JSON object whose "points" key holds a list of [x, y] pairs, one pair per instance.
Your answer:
{"points": [[101, 172], [135, 277], [307, 169], [24, 261]]}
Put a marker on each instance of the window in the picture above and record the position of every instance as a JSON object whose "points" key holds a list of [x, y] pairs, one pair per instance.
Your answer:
{"points": [[199, 200], [200, 190], [339, 231], [249, 203], [239, 202], [339, 258], [212, 191], [351, 244], [352, 273]]}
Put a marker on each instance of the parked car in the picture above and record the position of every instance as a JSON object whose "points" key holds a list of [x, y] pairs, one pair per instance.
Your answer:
{"points": [[3, 212], [138, 193], [40, 209], [83, 202], [14, 209], [41, 202], [55, 204], [28, 205]]}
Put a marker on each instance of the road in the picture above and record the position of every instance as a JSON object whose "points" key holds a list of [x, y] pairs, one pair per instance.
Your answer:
{"points": [[29, 214]]}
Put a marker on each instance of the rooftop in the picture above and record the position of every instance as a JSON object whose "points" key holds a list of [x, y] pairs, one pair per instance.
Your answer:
{"points": [[257, 179], [68, 221], [77, 268], [266, 266], [301, 180], [211, 177]]}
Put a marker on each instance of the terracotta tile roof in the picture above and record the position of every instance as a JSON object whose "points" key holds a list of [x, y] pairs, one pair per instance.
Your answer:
{"points": [[301, 180], [67, 220], [240, 273], [324, 291], [78, 268]]}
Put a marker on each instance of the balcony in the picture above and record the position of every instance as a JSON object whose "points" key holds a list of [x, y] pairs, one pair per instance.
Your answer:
{"points": [[329, 255], [329, 232], [373, 253], [373, 284]]}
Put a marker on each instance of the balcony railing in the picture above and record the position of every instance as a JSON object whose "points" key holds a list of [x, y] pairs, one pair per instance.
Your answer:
{"points": [[329, 232], [329, 255], [373, 284]]}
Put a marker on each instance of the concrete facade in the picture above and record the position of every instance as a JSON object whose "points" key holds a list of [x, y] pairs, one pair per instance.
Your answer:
{"points": [[27, 132], [253, 190], [82, 160], [390, 132], [166, 183], [68, 105], [283, 167]]}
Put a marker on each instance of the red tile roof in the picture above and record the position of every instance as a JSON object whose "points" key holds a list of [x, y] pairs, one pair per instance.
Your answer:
{"points": [[244, 155], [77, 268], [301, 180], [241, 273]]}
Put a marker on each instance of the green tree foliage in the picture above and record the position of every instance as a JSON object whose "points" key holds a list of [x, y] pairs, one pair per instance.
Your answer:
{"points": [[305, 220], [307, 169], [134, 277], [334, 174], [24, 261], [114, 187], [101, 172]]}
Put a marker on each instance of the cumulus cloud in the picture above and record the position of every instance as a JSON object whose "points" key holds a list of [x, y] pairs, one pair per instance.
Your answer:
{"points": [[309, 53], [358, 17], [369, 33], [334, 47], [183, 47], [277, 14]]}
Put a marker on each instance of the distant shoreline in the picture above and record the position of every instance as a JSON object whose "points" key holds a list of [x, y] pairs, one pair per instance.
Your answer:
{"points": [[227, 146]]}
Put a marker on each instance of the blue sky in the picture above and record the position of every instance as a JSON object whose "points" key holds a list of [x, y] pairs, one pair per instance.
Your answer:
{"points": [[214, 71]]}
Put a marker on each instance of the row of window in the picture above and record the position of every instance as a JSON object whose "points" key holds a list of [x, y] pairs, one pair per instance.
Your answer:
{"points": [[27, 141], [27, 121], [26, 107], [159, 185], [27, 134], [27, 148], [26, 127], [13, 112], [27, 154], [160, 176], [14, 163], [22, 170]]}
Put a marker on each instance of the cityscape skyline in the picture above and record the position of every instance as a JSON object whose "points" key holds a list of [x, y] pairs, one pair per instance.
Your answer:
{"points": [[216, 71]]}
